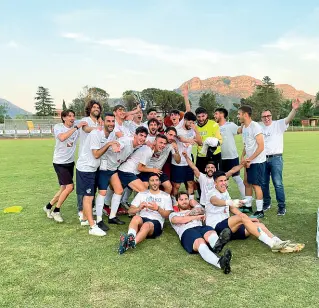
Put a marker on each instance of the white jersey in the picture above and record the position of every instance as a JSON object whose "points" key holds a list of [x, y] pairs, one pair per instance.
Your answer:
{"points": [[250, 143], [162, 199], [86, 161], [114, 160], [206, 186], [158, 159], [181, 228], [64, 151], [274, 136], [140, 156], [180, 124], [216, 214], [150, 138], [83, 134], [132, 126], [228, 147], [189, 134], [122, 128]]}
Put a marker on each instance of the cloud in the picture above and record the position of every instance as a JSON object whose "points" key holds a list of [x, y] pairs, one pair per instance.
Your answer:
{"points": [[12, 44]]}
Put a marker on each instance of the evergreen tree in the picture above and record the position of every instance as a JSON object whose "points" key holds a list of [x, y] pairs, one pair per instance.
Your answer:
{"points": [[44, 104]]}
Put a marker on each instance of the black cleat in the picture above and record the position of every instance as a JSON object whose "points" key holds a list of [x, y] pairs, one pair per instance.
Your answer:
{"points": [[246, 209], [123, 244], [116, 221], [103, 226], [224, 261], [223, 239]]}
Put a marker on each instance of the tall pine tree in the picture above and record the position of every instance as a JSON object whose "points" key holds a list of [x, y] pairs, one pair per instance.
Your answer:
{"points": [[44, 104], [64, 105]]}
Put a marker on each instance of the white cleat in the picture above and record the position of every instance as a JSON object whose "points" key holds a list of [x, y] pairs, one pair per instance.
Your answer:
{"points": [[86, 222], [57, 216], [48, 212], [279, 245], [95, 230]]}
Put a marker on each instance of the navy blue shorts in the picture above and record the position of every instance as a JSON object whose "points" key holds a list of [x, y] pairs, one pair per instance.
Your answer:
{"points": [[181, 174], [103, 178], [228, 164], [64, 173], [238, 235], [157, 227], [191, 235], [85, 183], [126, 177], [144, 176], [256, 174]]}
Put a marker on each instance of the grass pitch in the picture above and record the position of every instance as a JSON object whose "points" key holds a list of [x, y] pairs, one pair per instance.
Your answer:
{"points": [[44, 264]]}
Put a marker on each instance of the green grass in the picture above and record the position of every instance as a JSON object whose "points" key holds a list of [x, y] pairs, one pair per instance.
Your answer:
{"points": [[48, 265]]}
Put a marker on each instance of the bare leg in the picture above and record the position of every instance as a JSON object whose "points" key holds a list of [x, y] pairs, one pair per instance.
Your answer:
{"points": [[57, 195], [146, 229], [87, 209], [64, 194]]}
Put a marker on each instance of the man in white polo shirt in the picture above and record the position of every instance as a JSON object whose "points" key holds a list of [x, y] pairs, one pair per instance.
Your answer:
{"points": [[255, 158], [274, 145], [229, 153], [86, 167], [150, 207], [66, 135]]}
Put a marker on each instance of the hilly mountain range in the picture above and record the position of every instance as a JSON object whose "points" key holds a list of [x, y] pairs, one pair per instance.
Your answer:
{"points": [[230, 90], [13, 110]]}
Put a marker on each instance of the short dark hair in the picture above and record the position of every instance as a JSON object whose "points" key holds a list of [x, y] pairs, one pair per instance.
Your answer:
{"points": [[109, 114], [182, 192], [218, 174], [141, 130], [174, 111], [266, 110], [246, 109], [222, 110], [151, 110], [161, 136], [118, 106], [90, 105], [210, 163], [153, 174], [200, 110], [189, 116], [153, 120], [65, 113], [171, 128]]}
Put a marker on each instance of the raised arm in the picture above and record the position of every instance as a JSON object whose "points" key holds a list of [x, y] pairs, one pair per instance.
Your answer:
{"points": [[185, 94], [176, 155], [63, 136], [234, 170], [295, 105]]}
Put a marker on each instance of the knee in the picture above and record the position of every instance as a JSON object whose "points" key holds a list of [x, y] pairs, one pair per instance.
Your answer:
{"points": [[168, 187], [198, 242], [190, 184], [118, 191], [69, 188], [147, 225]]}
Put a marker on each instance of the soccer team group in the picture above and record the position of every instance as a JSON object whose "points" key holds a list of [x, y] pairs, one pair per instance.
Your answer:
{"points": [[120, 155]]}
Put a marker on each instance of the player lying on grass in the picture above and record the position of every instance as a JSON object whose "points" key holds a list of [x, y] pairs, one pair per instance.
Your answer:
{"points": [[241, 226], [197, 238], [150, 207]]}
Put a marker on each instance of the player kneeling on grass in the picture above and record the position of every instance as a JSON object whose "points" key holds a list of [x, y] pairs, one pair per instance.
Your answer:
{"points": [[194, 237], [151, 208], [218, 210]]}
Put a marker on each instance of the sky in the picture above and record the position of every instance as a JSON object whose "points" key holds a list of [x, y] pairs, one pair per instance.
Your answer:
{"points": [[123, 45]]}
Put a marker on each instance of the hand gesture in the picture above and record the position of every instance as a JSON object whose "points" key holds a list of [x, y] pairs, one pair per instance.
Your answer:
{"points": [[174, 145], [143, 205], [81, 124], [184, 153], [116, 147], [153, 206], [185, 91], [157, 171], [295, 104], [200, 217]]}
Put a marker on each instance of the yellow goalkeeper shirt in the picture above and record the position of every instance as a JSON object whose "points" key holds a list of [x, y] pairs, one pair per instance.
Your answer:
{"points": [[210, 129]]}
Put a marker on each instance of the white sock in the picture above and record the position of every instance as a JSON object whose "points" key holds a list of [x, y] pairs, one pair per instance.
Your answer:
{"points": [[109, 195], [259, 204], [212, 239], [131, 231], [208, 255], [191, 197], [98, 219], [239, 181], [116, 199], [276, 239], [249, 201], [99, 203], [263, 237], [126, 194]]}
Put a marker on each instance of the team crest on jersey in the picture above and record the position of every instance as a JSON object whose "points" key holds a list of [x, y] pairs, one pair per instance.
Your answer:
{"points": [[88, 191], [152, 199]]}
